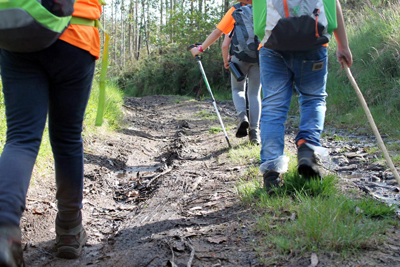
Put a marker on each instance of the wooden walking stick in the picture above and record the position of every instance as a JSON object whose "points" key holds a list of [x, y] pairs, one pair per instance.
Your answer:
{"points": [[372, 122]]}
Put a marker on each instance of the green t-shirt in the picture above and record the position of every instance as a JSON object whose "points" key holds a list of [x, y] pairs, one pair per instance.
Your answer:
{"points": [[259, 17]]}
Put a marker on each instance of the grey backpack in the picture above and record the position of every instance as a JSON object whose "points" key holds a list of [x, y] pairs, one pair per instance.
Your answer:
{"points": [[244, 43], [32, 25]]}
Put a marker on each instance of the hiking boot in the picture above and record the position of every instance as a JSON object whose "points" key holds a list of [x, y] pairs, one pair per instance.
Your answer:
{"points": [[10, 247], [242, 125], [271, 179], [307, 164], [69, 242], [254, 137]]}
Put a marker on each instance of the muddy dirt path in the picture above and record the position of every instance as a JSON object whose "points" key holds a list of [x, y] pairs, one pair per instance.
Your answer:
{"points": [[161, 192]]}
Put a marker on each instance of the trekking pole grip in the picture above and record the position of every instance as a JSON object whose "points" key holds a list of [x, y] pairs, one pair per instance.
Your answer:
{"points": [[190, 47]]}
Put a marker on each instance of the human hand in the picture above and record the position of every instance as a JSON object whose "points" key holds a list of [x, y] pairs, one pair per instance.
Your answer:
{"points": [[344, 56], [195, 51], [226, 64]]}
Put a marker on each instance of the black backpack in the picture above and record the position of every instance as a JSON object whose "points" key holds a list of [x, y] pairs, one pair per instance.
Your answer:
{"points": [[244, 43]]}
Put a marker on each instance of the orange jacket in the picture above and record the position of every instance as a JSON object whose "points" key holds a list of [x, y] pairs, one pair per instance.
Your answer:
{"points": [[84, 37]]}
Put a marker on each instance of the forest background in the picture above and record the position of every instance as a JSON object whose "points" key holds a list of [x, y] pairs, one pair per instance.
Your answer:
{"points": [[148, 55]]}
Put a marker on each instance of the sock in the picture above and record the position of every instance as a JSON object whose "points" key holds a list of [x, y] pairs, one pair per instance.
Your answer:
{"points": [[300, 142]]}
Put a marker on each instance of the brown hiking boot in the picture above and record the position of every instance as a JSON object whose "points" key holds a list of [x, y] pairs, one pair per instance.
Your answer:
{"points": [[243, 124], [10, 247], [69, 242]]}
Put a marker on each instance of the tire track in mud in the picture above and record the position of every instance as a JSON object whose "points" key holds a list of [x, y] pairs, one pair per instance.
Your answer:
{"points": [[185, 220], [157, 194]]}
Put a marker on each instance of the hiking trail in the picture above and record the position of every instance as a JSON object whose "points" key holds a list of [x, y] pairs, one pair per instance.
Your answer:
{"points": [[160, 191]]}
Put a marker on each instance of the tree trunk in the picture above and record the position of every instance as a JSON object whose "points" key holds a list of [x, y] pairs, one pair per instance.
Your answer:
{"points": [[122, 34], [146, 22], [226, 6], [137, 30], [130, 31]]}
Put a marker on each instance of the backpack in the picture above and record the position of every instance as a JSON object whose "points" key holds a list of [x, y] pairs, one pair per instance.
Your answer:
{"points": [[244, 43], [32, 25], [295, 25]]}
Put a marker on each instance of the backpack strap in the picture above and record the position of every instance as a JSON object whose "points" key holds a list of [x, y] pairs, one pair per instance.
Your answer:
{"points": [[83, 21], [236, 6]]}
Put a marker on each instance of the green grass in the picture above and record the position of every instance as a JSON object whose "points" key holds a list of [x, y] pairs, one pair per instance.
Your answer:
{"points": [[245, 153], [374, 34], [309, 215], [396, 159], [322, 223], [218, 129], [223, 94], [371, 150], [340, 138], [214, 130], [206, 115], [112, 112], [303, 216]]}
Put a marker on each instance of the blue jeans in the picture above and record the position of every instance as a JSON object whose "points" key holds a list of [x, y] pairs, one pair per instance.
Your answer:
{"points": [[55, 82], [306, 71]]}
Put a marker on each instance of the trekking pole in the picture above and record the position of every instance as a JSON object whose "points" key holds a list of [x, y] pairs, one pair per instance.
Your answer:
{"points": [[213, 100], [212, 96], [372, 122]]}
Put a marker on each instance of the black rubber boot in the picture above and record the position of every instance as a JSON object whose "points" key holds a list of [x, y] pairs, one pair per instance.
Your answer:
{"points": [[307, 163], [271, 179]]}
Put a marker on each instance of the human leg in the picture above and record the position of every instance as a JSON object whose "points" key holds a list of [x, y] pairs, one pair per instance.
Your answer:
{"points": [[254, 100], [69, 94], [254, 96], [239, 99], [310, 77], [311, 73], [25, 89], [277, 86]]}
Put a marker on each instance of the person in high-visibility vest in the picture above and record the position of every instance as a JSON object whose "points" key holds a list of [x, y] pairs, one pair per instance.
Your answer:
{"points": [[52, 83]]}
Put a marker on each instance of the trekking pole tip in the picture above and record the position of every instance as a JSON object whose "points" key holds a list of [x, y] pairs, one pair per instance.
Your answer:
{"points": [[227, 140]]}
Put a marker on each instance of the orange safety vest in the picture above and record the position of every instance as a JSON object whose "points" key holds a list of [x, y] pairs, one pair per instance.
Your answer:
{"points": [[82, 36]]}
